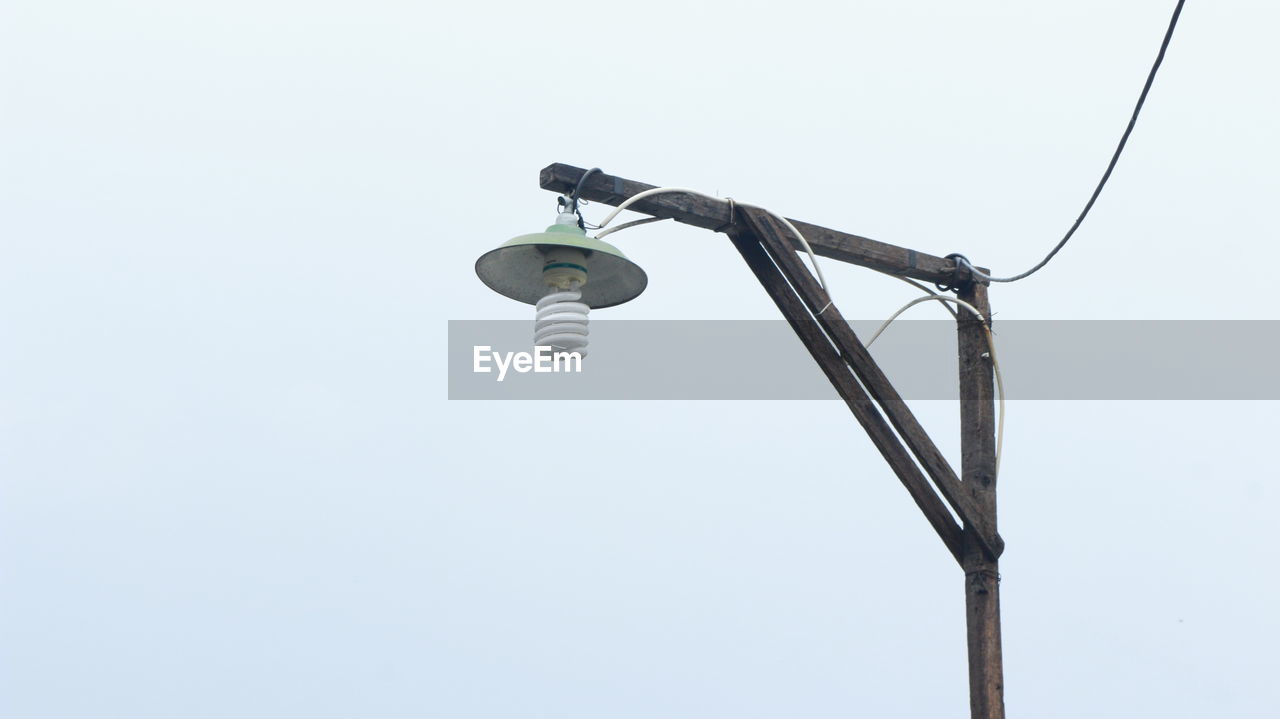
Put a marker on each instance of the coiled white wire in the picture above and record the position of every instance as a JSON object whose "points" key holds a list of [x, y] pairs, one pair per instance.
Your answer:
{"points": [[561, 321]]}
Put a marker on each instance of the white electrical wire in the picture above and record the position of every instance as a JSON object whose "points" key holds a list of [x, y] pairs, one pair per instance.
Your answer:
{"points": [[813, 259], [647, 220], [991, 343], [625, 225], [791, 227], [920, 287]]}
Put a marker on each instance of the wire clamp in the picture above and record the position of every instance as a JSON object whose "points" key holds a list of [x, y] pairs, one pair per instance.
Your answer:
{"points": [[732, 219], [958, 279], [981, 579]]}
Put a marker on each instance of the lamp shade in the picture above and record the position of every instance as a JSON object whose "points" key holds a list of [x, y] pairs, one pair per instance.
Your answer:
{"points": [[515, 268]]}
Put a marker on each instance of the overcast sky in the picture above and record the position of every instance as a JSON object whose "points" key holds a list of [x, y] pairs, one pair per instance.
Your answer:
{"points": [[232, 484]]}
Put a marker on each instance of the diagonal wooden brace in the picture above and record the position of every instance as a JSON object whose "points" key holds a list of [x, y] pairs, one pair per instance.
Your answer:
{"points": [[772, 235], [840, 375]]}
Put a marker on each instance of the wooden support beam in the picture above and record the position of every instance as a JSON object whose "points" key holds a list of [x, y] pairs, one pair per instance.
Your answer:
{"points": [[838, 372], [713, 214], [873, 378], [978, 468]]}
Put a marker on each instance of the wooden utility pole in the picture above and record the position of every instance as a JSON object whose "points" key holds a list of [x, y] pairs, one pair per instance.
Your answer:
{"points": [[978, 474], [770, 252]]}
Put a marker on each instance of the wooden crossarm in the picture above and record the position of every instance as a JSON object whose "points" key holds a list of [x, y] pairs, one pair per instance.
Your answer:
{"points": [[714, 214]]}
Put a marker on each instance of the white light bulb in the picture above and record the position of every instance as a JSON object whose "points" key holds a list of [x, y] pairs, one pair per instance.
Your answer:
{"points": [[561, 320]]}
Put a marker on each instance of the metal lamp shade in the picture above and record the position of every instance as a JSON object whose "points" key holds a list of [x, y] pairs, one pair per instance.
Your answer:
{"points": [[514, 269]]}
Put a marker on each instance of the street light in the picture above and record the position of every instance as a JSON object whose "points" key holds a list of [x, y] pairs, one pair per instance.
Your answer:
{"points": [[564, 274]]}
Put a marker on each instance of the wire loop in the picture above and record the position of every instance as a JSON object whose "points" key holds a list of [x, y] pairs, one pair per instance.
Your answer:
{"points": [[732, 219]]}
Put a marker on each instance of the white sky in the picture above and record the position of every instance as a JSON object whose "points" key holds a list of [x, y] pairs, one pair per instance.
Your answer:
{"points": [[231, 483]]}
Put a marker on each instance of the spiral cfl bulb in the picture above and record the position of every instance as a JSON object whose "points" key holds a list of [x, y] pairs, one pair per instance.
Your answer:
{"points": [[561, 319]]}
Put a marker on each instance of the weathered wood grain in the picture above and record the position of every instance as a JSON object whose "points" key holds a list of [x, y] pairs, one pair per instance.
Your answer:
{"points": [[978, 470]]}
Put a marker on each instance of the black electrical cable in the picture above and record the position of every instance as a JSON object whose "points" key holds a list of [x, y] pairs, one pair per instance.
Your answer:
{"points": [[577, 190], [1168, 35], [577, 194]]}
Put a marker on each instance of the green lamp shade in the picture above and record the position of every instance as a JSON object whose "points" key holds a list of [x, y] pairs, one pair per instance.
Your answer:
{"points": [[514, 269]]}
